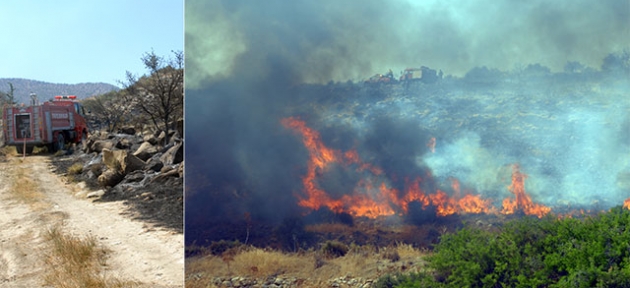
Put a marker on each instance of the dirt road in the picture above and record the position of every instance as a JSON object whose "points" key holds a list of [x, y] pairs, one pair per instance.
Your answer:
{"points": [[152, 257]]}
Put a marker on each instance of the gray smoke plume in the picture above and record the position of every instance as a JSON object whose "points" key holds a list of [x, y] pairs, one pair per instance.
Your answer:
{"points": [[247, 63], [351, 40]]}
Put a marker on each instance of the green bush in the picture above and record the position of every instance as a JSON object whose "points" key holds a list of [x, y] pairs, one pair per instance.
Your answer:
{"points": [[531, 252]]}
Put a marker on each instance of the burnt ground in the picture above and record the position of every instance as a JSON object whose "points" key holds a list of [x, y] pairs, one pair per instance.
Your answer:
{"points": [[159, 203], [299, 233]]}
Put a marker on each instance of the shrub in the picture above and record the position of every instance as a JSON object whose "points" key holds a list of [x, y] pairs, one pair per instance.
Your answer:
{"points": [[530, 252], [219, 247], [76, 168], [391, 254], [334, 249]]}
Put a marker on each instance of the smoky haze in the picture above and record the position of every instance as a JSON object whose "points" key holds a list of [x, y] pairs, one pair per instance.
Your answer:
{"points": [[247, 63], [350, 40]]}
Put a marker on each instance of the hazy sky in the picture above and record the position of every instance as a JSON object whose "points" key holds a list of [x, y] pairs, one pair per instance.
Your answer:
{"points": [[72, 41]]}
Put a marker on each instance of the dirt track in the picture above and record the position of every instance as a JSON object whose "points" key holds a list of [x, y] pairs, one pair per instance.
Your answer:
{"points": [[138, 253]]}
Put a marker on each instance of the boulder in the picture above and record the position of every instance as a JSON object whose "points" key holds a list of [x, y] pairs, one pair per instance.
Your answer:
{"points": [[151, 139], [122, 161], [110, 178], [110, 160], [99, 145], [127, 130], [146, 151], [174, 155], [124, 143], [153, 164]]}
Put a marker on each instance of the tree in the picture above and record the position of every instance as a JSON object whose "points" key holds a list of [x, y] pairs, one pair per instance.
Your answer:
{"points": [[159, 95], [8, 97], [108, 108], [617, 62], [574, 67]]}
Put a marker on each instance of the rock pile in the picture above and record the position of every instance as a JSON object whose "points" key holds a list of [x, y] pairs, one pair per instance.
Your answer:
{"points": [[285, 282], [145, 169]]}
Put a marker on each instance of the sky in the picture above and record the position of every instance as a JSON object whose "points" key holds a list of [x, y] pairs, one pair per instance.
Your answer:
{"points": [[72, 41]]}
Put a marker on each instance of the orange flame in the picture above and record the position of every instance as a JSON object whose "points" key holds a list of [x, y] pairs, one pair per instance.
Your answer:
{"points": [[626, 203], [367, 201], [522, 202]]}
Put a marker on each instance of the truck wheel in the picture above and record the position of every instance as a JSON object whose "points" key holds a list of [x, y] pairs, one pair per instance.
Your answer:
{"points": [[59, 145], [29, 149], [19, 149]]}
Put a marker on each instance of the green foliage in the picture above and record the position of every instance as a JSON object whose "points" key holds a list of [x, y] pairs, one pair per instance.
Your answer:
{"points": [[530, 252], [407, 281]]}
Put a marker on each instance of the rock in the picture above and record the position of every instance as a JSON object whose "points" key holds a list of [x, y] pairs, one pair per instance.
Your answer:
{"points": [[110, 178], [124, 143], [110, 160], [122, 161], [166, 169], [151, 139], [94, 170], [161, 137], [153, 164], [127, 130], [174, 155], [99, 145], [96, 194], [146, 151], [136, 176], [149, 196], [80, 194], [164, 177]]}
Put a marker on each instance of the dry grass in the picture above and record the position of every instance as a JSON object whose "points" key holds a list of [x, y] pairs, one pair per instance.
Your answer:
{"points": [[76, 168], [74, 262], [8, 151], [311, 267], [25, 190]]}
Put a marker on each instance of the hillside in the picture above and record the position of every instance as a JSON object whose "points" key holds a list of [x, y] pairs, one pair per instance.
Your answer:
{"points": [[46, 90]]}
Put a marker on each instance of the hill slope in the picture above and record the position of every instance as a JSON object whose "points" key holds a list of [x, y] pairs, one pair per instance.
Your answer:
{"points": [[46, 90]]}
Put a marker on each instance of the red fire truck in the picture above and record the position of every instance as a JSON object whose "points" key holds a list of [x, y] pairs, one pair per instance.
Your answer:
{"points": [[51, 124]]}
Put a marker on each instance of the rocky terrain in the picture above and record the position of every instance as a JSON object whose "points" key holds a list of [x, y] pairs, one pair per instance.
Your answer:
{"points": [[136, 168], [102, 191]]}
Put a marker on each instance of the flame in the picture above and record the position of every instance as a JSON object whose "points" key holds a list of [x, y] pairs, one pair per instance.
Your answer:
{"points": [[626, 203], [372, 196], [522, 202]]}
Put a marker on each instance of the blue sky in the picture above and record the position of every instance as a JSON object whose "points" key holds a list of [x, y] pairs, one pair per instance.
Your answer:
{"points": [[85, 41]]}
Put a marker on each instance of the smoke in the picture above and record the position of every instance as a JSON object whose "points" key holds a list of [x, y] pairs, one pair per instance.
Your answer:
{"points": [[247, 64], [351, 40]]}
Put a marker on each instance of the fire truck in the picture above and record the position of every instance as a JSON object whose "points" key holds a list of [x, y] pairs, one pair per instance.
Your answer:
{"points": [[52, 124]]}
